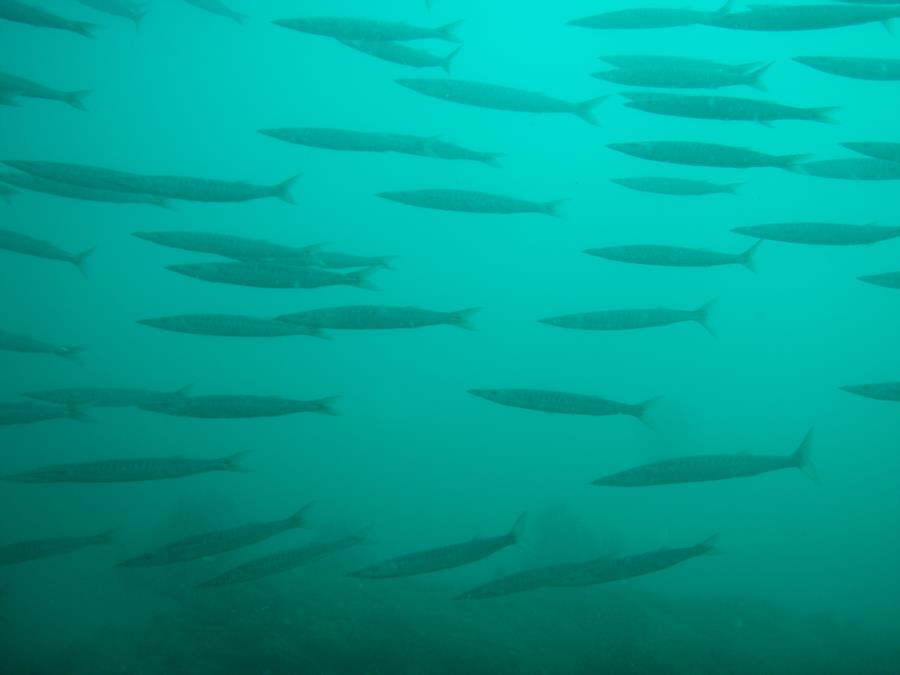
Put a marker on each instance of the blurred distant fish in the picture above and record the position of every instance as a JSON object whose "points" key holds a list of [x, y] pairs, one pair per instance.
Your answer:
{"points": [[632, 319], [497, 97], [563, 402], [29, 413], [676, 186], [52, 187], [338, 260], [707, 154], [35, 549], [677, 77], [676, 63], [723, 108], [217, 542], [864, 168], [281, 561], [375, 317], [648, 17], [15, 342], [397, 52], [880, 391], [22, 243], [802, 17], [674, 256], [824, 234], [228, 325], [469, 201], [236, 248], [273, 275], [347, 28], [127, 470], [126, 9], [20, 12], [14, 86], [705, 468], [888, 280], [889, 152], [859, 68], [218, 7], [443, 558], [102, 397], [237, 407]]}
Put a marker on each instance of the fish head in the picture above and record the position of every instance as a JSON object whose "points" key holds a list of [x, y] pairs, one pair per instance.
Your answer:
{"points": [[140, 561], [489, 394], [155, 237]]}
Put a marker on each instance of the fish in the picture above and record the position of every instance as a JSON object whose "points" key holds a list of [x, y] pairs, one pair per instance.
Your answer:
{"points": [[823, 234], [469, 201], [378, 317], [217, 542], [632, 319], [674, 256], [880, 391], [281, 561], [889, 152], [706, 468], [238, 407], [707, 154], [273, 275], [58, 189], [19, 86], [684, 78], [347, 140], [132, 470], [728, 108], [36, 549], [338, 260], [21, 12], [675, 63], [236, 248], [38, 248], [563, 402], [102, 397], [888, 280], [802, 17], [228, 325], [440, 149], [29, 413], [647, 17], [498, 97], [16, 342], [397, 52], [369, 30], [864, 168], [858, 68], [218, 7], [444, 557], [82, 175], [676, 186], [126, 9]]}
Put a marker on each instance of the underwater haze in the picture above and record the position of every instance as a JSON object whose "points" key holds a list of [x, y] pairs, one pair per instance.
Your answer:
{"points": [[506, 429]]}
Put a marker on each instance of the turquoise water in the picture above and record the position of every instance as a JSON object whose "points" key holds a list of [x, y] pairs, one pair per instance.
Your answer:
{"points": [[806, 579]]}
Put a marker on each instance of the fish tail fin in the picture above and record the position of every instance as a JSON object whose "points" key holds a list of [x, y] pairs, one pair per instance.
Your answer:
{"points": [[282, 191], [385, 262], [585, 109], [553, 208], [138, 17], [709, 546], [491, 159], [300, 518], [732, 188], [107, 537], [462, 318], [642, 410], [325, 406], [754, 77], [447, 63], [362, 279], [517, 531], [725, 8], [702, 315], [71, 353], [182, 392], [448, 31], [80, 261], [748, 257], [76, 98], [316, 332], [85, 29], [233, 462], [77, 413], [793, 163], [801, 457], [825, 115]]}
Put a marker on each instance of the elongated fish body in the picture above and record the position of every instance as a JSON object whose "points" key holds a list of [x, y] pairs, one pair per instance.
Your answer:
{"points": [[214, 543], [802, 17], [377, 317], [859, 68], [864, 168], [338, 260], [889, 152], [237, 407], [271, 275], [218, 7], [100, 397], [229, 246], [561, 402], [631, 19], [673, 256], [279, 562], [19, 86], [127, 470], [682, 78], [888, 280], [397, 52], [705, 468], [520, 582], [125, 9], [676, 186], [344, 139], [497, 97], [58, 189], [469, 201], [29, 413], [227, 325], [722, 108], [83, 175], [15, 342], [823, 234], [38, 248], [674, 63], [26, 551], [20, 12], [630, 319], [346, 28], [880, 391], [706, 154], [439, 149]]}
